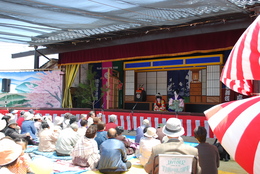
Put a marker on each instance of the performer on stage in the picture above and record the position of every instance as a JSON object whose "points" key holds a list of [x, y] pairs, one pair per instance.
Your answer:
{"points": [[159, 103], [176, 103]]}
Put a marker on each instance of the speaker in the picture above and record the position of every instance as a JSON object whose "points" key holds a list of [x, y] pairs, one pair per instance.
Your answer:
{"points": [[6, 85]]}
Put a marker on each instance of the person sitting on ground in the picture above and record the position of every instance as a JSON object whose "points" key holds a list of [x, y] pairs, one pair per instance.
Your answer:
{"points": [[129, 145], [83, 127], [101, 133], [38, 123], [159, 132], [66, 120], [113, 157], [27, 159], [82, 117], [67, 139], [146, 143], [47, 138], [208, 153], [11, 161], [112, 122], [85, 152], [91, 115], [58, 123], [28, 127], [48, 119], [173, 130], [140, 130], [2, 126], [20, 119], [6, 118], [13, 133], [96, 120]]}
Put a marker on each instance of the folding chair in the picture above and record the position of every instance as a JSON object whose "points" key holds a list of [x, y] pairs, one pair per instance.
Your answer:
{"points": [[177, 164]]}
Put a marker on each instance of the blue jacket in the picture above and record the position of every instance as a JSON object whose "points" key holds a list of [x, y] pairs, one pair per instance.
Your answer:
{"points": [[28, 126], [112, 156], [100, 138]]}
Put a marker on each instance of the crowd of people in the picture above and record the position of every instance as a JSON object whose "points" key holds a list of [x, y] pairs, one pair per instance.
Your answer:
{"points": [[93, 143]]}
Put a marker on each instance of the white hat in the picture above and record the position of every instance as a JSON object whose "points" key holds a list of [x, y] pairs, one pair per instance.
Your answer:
{"points": [[58, 120], [14, 111], [9, 151], [151, 132], [2, 124], [173, 128], [146, 122], [37, 116], [28, 116]]}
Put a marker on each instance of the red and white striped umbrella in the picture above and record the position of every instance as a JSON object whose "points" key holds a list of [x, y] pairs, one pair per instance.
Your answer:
{"points": [[243, 64], [236, 125]]}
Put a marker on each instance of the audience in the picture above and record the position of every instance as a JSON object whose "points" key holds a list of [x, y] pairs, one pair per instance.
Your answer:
{"points": [[113, 158], [140, 130], [83, 127], [66, 120], [82, 117], [58, 123], [26, 158], [20, 119], [6, 118], [146, 144], [2, 126], [208, 153], [101, 133], [91, 115], [173, 130], [67, 139], [47, 138], [28, 127], [111, 124], [38, 123], [159, 132], [129, 145], [11, 161], [13, 133], [85, 152]]}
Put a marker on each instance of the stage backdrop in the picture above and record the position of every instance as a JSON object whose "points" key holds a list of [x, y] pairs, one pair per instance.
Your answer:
{"points": [[41, 89], [130, 121]]}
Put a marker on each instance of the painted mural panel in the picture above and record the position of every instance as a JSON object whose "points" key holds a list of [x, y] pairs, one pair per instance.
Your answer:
{"points": [[42, 89]]}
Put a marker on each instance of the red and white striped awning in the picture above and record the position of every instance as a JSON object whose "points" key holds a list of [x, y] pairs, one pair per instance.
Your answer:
{"points": [[236, 125], [243, 64]]}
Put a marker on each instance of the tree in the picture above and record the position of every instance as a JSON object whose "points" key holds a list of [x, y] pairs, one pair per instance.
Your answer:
{"points": [[86, 91]]}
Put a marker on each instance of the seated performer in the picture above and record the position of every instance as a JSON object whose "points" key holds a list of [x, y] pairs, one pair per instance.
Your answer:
{"points": [[159, 103], [176, 103]]}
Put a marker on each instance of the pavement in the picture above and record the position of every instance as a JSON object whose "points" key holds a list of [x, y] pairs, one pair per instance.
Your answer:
{"points": [[226, 167]]}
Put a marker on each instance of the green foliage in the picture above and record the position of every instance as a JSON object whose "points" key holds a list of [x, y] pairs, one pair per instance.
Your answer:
{"points": [[86, 91]]}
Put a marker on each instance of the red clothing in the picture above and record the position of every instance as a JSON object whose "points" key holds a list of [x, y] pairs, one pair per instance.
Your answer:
{"points": [[110, 125], [20, 121]]}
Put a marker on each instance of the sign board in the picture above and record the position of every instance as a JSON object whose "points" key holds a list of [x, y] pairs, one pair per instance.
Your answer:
{"points": [[175, 164]]}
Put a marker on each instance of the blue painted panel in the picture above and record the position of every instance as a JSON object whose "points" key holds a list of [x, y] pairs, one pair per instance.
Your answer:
{"points": [[203, 60], [138, 65], [168, 62]]}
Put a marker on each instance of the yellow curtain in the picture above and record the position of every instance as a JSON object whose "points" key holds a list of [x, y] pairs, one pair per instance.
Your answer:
{"points": [[71, 72]]}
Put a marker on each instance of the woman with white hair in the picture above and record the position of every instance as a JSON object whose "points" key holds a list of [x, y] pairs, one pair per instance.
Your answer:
{"points": [[140, 130], [111, 124]]}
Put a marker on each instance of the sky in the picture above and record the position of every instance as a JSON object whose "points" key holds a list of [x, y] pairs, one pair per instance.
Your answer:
{"points": [[8, 63]]}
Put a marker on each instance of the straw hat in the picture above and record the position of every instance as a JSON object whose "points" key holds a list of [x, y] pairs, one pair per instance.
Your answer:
{"points": [[151, 132], [9, 151], [173, 128], [28, 116], [146, 122]]}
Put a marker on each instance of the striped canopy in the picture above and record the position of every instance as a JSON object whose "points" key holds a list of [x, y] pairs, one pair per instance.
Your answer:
{"points": [[236, 124], [242, 66]]}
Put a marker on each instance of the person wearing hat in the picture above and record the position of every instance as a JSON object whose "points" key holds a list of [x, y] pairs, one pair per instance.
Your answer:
{"points": [[173, 130], [2, 126], [146, 144], [28, 127], [159, 103], [58, 123], [12, 131], [140, 130], [11, 161]]}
